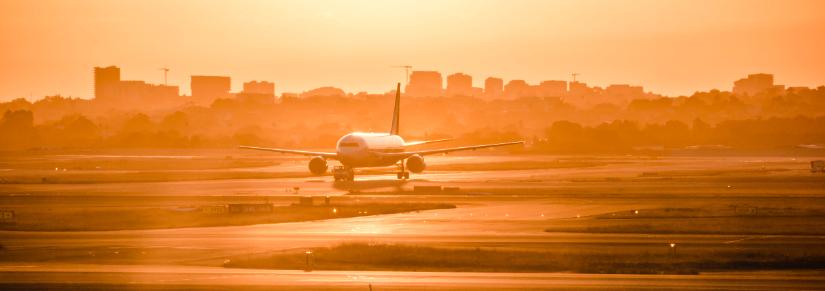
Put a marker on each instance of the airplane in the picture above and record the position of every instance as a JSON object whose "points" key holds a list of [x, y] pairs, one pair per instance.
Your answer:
{"points": [[370, 149]]}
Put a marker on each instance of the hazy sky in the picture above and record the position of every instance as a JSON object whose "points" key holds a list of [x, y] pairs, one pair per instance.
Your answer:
{"points": [[670, 47]]}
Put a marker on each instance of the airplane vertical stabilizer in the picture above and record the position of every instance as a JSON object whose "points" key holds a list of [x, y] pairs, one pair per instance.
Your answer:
{"points": [[397, 111]]}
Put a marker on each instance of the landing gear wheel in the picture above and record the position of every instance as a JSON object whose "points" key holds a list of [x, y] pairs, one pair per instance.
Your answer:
{"points": [[406, 175]]}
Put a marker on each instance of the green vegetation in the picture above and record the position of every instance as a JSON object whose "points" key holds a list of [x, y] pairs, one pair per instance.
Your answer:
{"points": [[630, 258], [742, 219], [108, 218]]}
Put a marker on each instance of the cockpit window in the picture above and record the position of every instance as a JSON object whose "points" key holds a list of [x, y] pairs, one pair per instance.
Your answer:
{"points": [[349, 144]]}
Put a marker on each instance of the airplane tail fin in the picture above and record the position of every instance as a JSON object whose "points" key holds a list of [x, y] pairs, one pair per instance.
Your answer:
{"points": [[397, 111]]}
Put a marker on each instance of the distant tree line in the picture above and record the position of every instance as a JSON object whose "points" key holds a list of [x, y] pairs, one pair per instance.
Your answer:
{"points": [[621, 136], [624, 136], [704, 120]]}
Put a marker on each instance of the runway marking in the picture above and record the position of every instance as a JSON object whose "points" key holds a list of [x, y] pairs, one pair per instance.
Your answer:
{"points": [[748, 238], [20, 266]]}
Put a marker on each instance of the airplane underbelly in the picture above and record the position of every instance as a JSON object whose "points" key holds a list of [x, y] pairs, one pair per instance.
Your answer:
{"points": [[368, 159], [382, 162], [379, 161]]}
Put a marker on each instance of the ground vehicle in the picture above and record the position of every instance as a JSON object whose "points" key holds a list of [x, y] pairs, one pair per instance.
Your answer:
{"points": [[341, 173], [817, 166]]}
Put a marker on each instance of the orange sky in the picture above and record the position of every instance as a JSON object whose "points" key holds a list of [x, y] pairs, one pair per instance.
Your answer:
{"points": [[670, 47]]}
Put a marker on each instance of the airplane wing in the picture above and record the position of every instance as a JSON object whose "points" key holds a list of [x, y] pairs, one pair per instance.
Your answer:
{"points": [[415, 143], [296, 152], [456, 149]]}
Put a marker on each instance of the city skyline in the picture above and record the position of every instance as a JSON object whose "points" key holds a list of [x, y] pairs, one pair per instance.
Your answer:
{"points": [[183, 84], [452, 84], [672, 48]]}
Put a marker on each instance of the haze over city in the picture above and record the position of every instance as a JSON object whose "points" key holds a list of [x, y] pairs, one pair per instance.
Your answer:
{"points": [[412, 145], [672, 48]]}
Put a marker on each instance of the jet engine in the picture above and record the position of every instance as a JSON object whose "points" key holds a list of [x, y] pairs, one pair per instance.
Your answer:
{"points": [[415, 164], [318, 165]]}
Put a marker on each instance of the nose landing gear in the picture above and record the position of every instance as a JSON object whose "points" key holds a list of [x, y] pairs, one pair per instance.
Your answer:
{"points": [[402, 174]]}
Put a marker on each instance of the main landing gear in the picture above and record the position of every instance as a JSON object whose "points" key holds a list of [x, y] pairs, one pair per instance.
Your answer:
{"points": [[402, 174], [341, 173]]}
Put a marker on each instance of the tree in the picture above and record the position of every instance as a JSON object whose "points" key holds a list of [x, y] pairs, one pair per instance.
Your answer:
{"points": [[17, 129]]}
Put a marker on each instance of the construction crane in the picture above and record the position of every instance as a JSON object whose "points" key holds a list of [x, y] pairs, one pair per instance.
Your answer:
{"points": [[407, 69], [574, 76], [165, 71]]}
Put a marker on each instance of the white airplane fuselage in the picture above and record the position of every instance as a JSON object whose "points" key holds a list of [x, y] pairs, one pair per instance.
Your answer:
{"points": [[364, 149]]}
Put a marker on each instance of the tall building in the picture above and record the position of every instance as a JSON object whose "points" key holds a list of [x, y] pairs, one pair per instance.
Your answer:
{"points": [[517, 89], [327, 91], [493, 87], [262, 92], [552, 89], [579, 89], [135, 92], [424, 84], [753, 84], [106, 82], [623, 92], [459, 84], [114, 91], [206, 89], [262, 87]]}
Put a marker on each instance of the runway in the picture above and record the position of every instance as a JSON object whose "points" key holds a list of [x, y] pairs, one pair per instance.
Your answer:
{"points": [[192, 256], [211, 277], [383, 179]]}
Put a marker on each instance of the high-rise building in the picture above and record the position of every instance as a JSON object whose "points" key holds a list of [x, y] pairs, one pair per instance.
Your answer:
{"points": [[579, 89], [424, 84], [262, 92], [459, 84], [135, 92], [753, 84], [552, 89], [262, 87], [624, 93], [106, 82], [327, 91], [518, 88], [493, 87], [206, 89], [111, 89]]}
